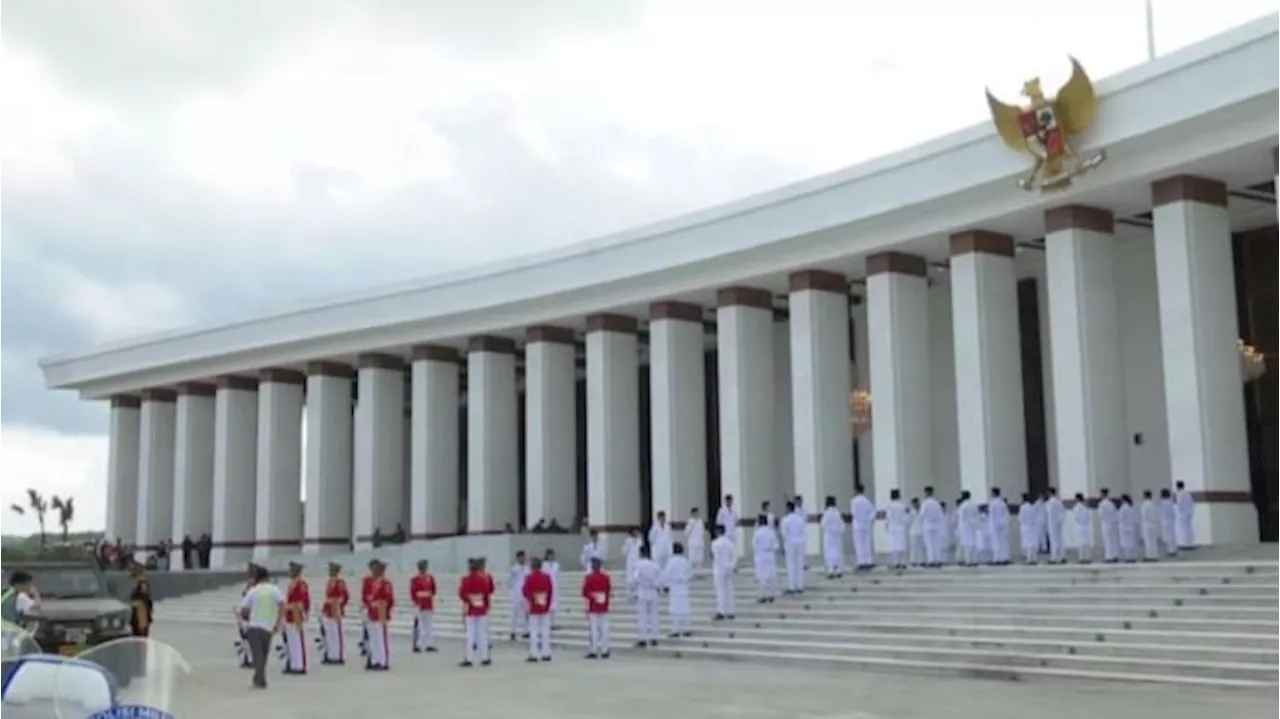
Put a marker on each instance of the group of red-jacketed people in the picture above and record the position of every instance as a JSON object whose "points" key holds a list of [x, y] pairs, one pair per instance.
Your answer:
{"points": [[377, 599]]}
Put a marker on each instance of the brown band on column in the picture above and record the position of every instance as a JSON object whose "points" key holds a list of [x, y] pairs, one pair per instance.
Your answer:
{"points": [[671, 310], [379, 360], [552, 334], [1079, 217], [435, 353], [606, 322], [1218, 496], [282, 376], [235, 381], [197, 389], [820, 280], [981, 241], [330, 369], [159, 395], [744, 297], [491, 343], [125, 401], [1188, 188], [898, 263]]}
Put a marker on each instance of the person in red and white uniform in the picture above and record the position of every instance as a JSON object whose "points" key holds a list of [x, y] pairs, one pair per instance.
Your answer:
{"points": [[538, 593], [296, 609], [422, 589], [381, 599], [476, 592], [336, 598], [597, 590]]}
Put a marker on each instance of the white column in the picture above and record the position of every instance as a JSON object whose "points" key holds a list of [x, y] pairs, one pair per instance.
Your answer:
{"points": [[1088, 398], [744, 343], [433, 459], [330, 426], [235, 466], [1141, 363], [678, 408], [898, 320], [122, 469], [784, 448], [193, 464], [613, 427], [944, 440], [493, 452], [1208, 445], [378, 451], [862, 381], [551, 425], [988, 364], [820, 387], [155, 469], [278, 529]]}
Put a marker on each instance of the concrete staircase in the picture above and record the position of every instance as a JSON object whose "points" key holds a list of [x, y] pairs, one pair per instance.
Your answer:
{"points": [[1186, 622]]}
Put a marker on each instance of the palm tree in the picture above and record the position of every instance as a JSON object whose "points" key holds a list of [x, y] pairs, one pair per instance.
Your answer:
{"points": [[66, 507], [36, 503]]}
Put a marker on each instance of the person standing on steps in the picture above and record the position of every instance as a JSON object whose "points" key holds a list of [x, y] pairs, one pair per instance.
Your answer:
{"points": [[597, 591], [998, 520], [1054, 514], [538, 593], [1186, 527], [695, 539], [764, 551], [660, 540], [515, 593], [1082, 519], [593, 549], [934, 523], [336, 598], [1110, 521], [382, 599], [1028, 536], [724, 561], [422, 591], [297, 609], [631, 547], [898, 523], [1128, 526], [551, 567], [1150, 519], [863, 513], [475, 590], [832, 528], [676, 579], [646, 580], [727, 518], [967, 526], [794, 541], [915, 534], [1168, 522]]}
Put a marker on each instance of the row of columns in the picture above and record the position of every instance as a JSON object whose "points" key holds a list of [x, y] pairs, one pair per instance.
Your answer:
{"points": [[227, 459]]}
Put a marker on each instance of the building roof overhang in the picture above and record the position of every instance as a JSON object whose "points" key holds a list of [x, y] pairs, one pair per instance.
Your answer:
{"points": [[1216, 99]]}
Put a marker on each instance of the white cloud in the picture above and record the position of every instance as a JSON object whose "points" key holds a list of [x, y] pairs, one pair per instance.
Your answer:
{"points": [[52, 464], [113, 311]]}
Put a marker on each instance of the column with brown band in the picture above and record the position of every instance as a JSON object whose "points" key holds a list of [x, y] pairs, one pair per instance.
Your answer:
{"points": [[155, 469], [551, 419], [613, 426], [193, 465], [278, 526], [493, 466], [329, 464], [235, 470], [378, 475], [122, 468], [678, 408], [433, 447], [1208, 441]]}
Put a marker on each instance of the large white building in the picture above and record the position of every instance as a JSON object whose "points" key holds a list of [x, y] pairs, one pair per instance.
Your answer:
{"points": [[1083, 339]]}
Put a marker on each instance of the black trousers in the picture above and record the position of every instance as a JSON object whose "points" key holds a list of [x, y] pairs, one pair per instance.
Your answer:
{"points": [[259, 650]]}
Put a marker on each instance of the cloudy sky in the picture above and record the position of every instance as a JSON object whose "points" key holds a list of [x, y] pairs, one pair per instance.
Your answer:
{"points": [[168, 162]]}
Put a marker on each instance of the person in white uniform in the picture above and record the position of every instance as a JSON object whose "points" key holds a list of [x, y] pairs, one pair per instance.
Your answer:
{"points": [[646, 581], [1168, 522], [1186, 527], [967, 523], [832, 528], [593, 549], [1028, 524], [727, 518], [676, 578], [660, 540], [800, 510], [863, 512], [1150, 520], [898, 524], [695, 539], [764, 552], [1127, 523], [933, 524], [1110, 521], [1082, 520], [998, 521], [723, 562], [766, 508], [915, 534], [794, 546], [515, 592], [551, 568], [631, 547], [1054, 514]]}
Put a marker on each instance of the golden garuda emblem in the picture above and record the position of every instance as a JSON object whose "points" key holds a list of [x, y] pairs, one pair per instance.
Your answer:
{"points": [[1044, 128]]}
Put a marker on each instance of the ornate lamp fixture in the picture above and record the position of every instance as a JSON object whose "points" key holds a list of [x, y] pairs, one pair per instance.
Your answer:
{"points": [[860, 410], [1253, 364]]}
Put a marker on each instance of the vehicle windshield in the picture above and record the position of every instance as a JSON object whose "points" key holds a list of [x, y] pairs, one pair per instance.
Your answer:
{"points": [[66, 582]]}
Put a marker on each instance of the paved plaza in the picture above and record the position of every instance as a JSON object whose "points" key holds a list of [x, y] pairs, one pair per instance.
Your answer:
{"points": [[631, 686]]}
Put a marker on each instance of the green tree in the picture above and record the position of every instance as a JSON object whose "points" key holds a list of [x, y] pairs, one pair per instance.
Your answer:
{"points": [[66, 509], [38, 506]]}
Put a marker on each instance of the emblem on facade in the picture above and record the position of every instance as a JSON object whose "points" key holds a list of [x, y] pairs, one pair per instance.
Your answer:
{"points": [[1044, 129]]}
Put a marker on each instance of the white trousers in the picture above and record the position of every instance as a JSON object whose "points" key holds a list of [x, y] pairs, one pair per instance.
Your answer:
{"points": [[1057, 552], [476, 646], [766, 576], [598, 633], [519, 616], [999, 544], [1169, 535], [379, 645], [833, 553], [423, 630], [647, 618], [724, 592], [295, 647], [1186, 531], [1030, 542], [696, 554], [915, 548], [863, 550], [334, 642], [933, 545], [1150, 543], [1110, 542], [540, 635], [679, 608], [794, 557]]}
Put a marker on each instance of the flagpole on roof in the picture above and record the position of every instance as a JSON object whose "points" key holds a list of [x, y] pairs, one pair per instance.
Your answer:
{"points": [[1149, 12]]}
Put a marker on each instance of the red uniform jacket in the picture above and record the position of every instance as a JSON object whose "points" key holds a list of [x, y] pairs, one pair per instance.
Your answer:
{"points": [[422, 590], [366, 590], [537, 592], [297, 602], [476, 591], [597, 589], [336, 597], [382, 598]]}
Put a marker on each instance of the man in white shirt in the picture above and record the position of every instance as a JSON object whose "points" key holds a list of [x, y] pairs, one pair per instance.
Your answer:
{"points": [[998, 527], [1186, 506], [676, 578], [660, 540], [794, 546], [1108, 517], [727, 518], [934, 522], [695, 539], [863, 512], [723, 562], [515, 591], [591, 550], [262, 611], [832, 528], [646, 581], [897, 522], [764, 550], [1054, 514], [1082, 518], [1150, 527], [1168, 522]]}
